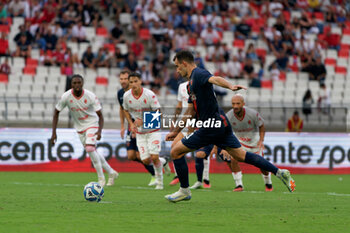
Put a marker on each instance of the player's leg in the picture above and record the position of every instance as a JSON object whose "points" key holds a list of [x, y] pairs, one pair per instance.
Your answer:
{"points": [[90, 149], [199, 164], [258, 161], [266, 176], [206, 163], [177, 139], [237, 175], [154, 147]]}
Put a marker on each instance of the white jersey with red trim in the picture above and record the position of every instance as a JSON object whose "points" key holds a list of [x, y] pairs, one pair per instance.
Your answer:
{"points": [[147, 101], [82, 109], [182, 94], [247, 128]]}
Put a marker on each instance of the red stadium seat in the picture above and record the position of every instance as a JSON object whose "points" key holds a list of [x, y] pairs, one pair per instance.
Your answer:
{"points": [[343, 53], [4, 78], [319, 16], [283, 76], [200, 5], [238, 43], [340, 70], [330, 61], [5, 28], [145, 34], [294, 68], [344, 47], [4, 45], [31, 62], [286, 15], [29, 70], [110, 47], [101, 31], [261, 52], [346, 31], [102, 81], [192, 41], [266, 84]]}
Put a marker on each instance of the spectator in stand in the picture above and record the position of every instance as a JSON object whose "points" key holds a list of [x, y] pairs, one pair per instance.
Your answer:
{"points": [[72, 13], [138, 49], [58, 55], [186, 23], [131, 63], [166, 46], [282, 60], [79, 33], [209, 36], [150, 15], [158, 32], [119, 57], [24, 49], [324, 100], [3, 14], [275, 8], [216, 53], [65, 22], [199, 60], [72, 60], [46, 58], [331, 15], [16, 8], [158, 67], [48, 14], [174, 17], [138, 21], [101, 59], [23, 30], [4, 45], [88, 58], [274, 72], [90, 15], [243, 30], [295, 123], [56, 29], [234, 68], [117, 33], [307, 103], [243, 8], [50, 39], [146, 75], [249, 73], [5, 68], [180, 39], [173, 83], [332, 41], [317, 70], [251, 53]]}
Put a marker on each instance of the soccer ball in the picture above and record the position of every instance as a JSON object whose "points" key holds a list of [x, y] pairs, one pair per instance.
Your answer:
{"points": [[93, 191]]}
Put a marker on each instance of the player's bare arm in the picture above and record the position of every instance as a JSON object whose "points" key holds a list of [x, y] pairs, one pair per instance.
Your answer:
{"points": [[220, 81], [100, 124], [178, 110], [261, 137], [54, 126], [121, 117], [127, 115]]}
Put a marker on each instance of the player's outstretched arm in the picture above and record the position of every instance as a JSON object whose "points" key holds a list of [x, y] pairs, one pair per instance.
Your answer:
{"points": [[101, 122], [54, 126], [220, 81]]}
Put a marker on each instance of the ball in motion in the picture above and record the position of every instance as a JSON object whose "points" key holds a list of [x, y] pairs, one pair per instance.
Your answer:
{"points": [[93, 191]]}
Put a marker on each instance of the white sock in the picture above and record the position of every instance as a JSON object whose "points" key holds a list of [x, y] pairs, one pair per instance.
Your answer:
{"points": [[267, 179], [162, 160], [158, 171], [104, 164], [237, 176], [206, 163], [95, 159]]}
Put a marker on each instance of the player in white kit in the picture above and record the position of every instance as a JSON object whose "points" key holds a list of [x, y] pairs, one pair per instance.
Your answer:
{"points": [[138, 100], [85, 110], [248, 126], [202, 155]]}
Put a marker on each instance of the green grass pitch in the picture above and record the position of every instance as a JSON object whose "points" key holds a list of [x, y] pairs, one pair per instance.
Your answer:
{"points": [[53, 202]]}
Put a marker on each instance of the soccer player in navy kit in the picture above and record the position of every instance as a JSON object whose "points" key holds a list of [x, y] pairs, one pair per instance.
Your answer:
{"points": [[131, 147], [203, 105]]}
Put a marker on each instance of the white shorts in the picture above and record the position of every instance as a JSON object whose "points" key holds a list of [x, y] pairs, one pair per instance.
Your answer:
{"points": [[148, 144], [88, 136]]}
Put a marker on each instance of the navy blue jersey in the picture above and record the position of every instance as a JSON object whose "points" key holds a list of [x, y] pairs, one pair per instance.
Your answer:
{"points": [[120, 96], [202, 96]]}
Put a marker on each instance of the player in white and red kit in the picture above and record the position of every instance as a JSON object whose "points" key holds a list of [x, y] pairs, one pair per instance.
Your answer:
{"points": [[248, 126], [85, 110], [138, 100]]}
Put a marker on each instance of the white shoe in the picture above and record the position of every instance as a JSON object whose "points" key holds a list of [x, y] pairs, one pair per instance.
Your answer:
{"points": [[197, 185], [102, 181], [287, 179], [167, 170], [159, 186], [181, 195], [112, 177], [153, 181]]}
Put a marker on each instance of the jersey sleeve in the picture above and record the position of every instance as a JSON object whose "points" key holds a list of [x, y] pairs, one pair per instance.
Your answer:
{"points": [[202, 77], [179, 93], [96, 104], [259, 121], [120, 98], [62, 103]]}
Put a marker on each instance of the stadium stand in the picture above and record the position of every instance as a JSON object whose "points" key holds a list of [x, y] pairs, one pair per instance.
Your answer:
{"points": [[267, 32]]}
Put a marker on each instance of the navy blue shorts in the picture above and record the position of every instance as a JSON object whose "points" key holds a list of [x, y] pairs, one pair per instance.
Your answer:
{"points": [[206, 150], [131, 142], [221, 137]]}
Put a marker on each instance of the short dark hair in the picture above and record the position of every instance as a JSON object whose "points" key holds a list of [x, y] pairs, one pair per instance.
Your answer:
{"points": [[124, 72], [135, 74], [184, 55], [77, 76]]}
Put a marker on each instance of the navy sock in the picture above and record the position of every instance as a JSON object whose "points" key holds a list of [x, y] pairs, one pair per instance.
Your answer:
{"points": [[260, 162], [182, 171], [199, 169], [149, 168]]}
